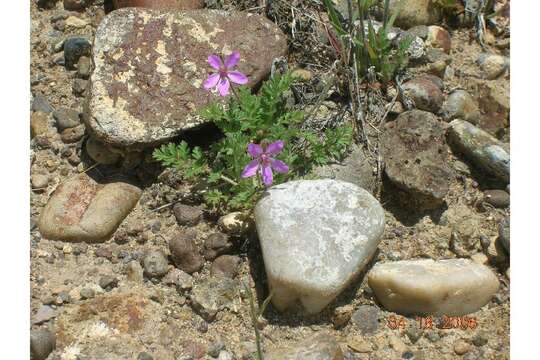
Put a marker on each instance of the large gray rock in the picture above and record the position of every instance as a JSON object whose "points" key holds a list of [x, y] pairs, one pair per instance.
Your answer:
{"points": [[82, 210], [446, 287], [481, 148], [316, 235], [150, 66], [415, 154]]}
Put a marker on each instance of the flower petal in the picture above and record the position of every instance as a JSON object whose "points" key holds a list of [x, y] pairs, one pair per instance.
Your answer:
{"points": [[250, 169], [215, 61], [232, 59], [223, 86], [267, 176], [279, 166], [255, 150], [211, 81], [237, 77], [275, 147]]}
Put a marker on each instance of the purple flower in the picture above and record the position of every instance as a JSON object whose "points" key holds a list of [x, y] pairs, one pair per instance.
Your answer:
{"points": [[222, 79], [263, 161]]}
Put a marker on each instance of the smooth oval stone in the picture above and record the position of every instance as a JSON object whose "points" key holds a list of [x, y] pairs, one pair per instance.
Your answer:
{"points": [[445, 287], [316, 235], [82, 210], [426, 93], [150, 66], [481, 148]]}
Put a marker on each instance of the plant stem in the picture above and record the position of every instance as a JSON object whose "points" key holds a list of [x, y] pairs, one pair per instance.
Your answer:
{"points": [[235, 94], [229, 180], [253, 314]]}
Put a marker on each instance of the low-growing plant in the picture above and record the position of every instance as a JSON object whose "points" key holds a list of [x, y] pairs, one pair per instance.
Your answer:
{"points": [[263, 142], [361, 46]]}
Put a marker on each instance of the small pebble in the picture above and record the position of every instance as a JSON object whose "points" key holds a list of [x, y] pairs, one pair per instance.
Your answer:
{"points": [[79, 86], [226, 265], [108, 282], [187, 215], [215, 348], [366, 318], [497, 198], [39, 181], [66, 118], [72, 135], [40, 103], [155, 264], [87, 293], [134, 272], [185, 252], [216, 244], [461, 347], [480, 339], [74, 48]]}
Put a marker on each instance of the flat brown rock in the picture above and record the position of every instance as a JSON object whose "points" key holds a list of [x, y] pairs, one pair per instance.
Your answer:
{"points": [[160, 4], [83, 210], [150, 65]]}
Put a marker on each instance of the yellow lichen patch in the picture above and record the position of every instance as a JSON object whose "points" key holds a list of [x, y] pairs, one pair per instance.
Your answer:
{"points": [[198, 33], [167, 29], [117, 54], [161, 63]]}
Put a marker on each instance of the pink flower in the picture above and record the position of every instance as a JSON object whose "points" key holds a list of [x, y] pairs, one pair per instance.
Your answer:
{"points": [[264, 162], [222, 79]]}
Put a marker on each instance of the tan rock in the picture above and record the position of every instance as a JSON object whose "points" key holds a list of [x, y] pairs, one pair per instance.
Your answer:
{"points": [[461, 347], [82, 210], [415, 12], [446, 287], [75, 23], [319, 347], [39, 123]]}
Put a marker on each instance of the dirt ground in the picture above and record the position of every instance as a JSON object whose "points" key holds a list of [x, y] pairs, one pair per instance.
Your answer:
{"points": [[153, 317]]}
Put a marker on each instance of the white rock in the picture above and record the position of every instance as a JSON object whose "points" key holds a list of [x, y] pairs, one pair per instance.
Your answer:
{"points": [[316, 235], [446, 287]]}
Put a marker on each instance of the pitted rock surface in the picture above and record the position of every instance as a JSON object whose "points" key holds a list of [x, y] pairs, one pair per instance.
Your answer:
{"points": [[316, 235], [150, 65], [83, 210], [415, 155]]}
